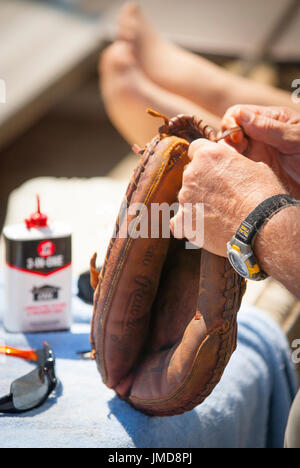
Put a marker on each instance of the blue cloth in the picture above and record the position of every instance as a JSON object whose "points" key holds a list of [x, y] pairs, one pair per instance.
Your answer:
{"points": [[248, 408]]}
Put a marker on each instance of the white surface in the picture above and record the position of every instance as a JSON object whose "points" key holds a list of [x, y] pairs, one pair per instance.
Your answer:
{"points": [[89, 206]]}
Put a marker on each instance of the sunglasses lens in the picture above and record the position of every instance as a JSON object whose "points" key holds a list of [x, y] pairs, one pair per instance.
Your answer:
{"points": [[29, 390]]}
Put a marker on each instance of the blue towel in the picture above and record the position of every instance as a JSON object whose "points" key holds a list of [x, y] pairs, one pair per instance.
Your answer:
{"points": [[248, 408]]}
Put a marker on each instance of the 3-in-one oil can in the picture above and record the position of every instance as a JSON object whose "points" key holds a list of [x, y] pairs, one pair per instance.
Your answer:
{"points": [[38, 275]]}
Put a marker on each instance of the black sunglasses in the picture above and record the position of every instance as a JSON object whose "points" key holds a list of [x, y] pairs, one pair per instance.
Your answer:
{"points": [[33, 389]]}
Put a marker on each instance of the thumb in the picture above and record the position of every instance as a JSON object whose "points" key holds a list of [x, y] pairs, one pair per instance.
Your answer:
{"points": [[263, 128]]}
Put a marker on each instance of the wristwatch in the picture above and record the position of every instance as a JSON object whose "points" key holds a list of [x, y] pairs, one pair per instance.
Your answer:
{"points": [[240, 248]]}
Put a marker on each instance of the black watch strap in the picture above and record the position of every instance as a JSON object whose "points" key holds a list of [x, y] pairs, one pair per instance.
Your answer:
{"points": [[264, 211]]}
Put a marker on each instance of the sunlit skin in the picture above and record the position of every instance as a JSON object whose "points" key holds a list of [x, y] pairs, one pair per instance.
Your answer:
{"points": [[231, 186], [142, 69]]}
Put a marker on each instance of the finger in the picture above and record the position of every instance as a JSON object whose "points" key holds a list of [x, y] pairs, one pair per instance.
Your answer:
{"points": [[239, 148], [266, 124], [177, 223], [231, 116], [237, 138], [229, 119], [262, 128], [200, 147], [204, 153], [229, 148]]}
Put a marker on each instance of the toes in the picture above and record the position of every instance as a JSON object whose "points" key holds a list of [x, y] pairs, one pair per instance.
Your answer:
{"points": [[128, 31], [117, 58], [120, 77], [130, 9], [129, 22]]}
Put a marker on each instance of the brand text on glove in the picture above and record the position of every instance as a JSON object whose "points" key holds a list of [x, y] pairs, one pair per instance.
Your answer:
{"points": [[142, 221]]}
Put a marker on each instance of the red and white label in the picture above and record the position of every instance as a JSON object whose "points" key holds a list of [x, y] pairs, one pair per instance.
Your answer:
{"points": [[46, 249]]}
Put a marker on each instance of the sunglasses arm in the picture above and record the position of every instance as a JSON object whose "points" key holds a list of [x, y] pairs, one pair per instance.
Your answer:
{"points": [[7, 405], [29, 355]]}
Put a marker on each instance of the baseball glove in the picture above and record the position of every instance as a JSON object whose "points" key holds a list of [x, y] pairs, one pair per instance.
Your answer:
{"points": [[164, 323]]}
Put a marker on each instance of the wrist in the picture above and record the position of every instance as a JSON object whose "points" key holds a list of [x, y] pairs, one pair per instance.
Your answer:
{"points": [[243, 256], [274, 238], [256, 197]]}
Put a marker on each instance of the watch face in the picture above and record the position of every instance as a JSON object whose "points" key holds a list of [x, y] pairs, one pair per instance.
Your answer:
{"points": [[237, 263]]}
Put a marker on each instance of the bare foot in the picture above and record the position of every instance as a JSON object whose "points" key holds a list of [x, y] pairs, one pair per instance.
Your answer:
{"points": [[127, 93], [161, 61], [187, 74]]}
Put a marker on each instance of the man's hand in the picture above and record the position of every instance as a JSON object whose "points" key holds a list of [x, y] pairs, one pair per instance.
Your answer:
{"points": [[274, 138], [228, 184]]}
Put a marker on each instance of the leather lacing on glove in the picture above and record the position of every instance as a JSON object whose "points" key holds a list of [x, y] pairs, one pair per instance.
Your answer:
{"points": [[164, 322]]}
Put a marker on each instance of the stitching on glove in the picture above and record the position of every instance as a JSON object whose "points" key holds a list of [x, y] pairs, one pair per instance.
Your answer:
{"points": [[127, 246]]}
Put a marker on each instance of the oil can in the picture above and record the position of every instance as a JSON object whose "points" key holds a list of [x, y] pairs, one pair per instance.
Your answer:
{"points": [[38, 275]]}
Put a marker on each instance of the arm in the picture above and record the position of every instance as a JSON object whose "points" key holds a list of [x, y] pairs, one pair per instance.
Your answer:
{"points": [[274, 134], [231, 186], [277, 248]]}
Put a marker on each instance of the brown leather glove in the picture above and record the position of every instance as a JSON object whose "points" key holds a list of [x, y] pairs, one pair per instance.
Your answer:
{"points": [[164, 323]]}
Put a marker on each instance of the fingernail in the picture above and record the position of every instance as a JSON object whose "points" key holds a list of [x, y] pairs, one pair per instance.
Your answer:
{"points": [[246, 116], [237, 137]]}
